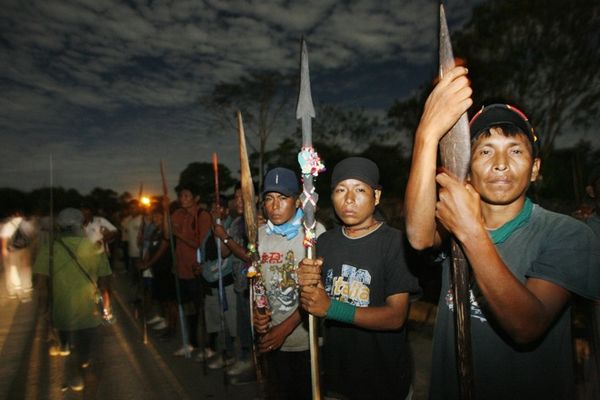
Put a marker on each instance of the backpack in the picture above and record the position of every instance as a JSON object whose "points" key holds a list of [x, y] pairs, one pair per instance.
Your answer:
{"points": [[19, 239], [209, 259]]}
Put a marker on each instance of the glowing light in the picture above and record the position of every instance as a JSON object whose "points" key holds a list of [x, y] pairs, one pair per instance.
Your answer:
{"points": [[145, 201]]}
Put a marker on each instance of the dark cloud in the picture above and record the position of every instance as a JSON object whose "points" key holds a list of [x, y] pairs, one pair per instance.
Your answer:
{"points": [[110, 87]]}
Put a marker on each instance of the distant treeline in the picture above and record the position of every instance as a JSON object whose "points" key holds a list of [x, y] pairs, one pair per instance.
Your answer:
{"points": [[37, 202]]}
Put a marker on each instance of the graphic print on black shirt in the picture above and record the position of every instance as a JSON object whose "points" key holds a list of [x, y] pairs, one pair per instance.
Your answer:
{"points": [[352, 287]]}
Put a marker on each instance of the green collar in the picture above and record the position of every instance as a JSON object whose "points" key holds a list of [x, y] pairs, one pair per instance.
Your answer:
{"points": [[500, 235]]}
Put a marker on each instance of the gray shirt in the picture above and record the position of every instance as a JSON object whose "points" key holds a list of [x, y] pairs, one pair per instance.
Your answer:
{"points": [[552, 247], [279, 258]]}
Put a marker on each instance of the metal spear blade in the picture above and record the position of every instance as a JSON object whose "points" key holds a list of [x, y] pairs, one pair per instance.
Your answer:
{"points": [[455, 146]]}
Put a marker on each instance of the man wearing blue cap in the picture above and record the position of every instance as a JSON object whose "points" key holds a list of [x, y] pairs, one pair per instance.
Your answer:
{"points": [[361, 285], [284, 338], [526, 261]]}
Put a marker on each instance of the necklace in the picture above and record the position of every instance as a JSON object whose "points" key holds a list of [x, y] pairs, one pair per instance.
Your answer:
{"points": [[350, 231]]}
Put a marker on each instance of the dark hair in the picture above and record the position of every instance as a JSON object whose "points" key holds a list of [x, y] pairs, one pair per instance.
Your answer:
{"points": [[508, 130], [190, 186], [222, 200], [157, 209]]}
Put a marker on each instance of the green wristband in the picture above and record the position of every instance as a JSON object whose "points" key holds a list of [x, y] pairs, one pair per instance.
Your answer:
{"points": [[340, 311]]}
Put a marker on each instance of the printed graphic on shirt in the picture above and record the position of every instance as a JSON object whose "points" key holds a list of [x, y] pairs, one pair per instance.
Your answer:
{"points": [[475, 308], [283, 285], [351, 287]]}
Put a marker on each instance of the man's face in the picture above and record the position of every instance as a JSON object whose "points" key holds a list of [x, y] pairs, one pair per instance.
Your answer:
{"points": [[354, 202], [157, 218], [222, 209], [279, 208], [186, 199], [502, 167], [238, 201]]}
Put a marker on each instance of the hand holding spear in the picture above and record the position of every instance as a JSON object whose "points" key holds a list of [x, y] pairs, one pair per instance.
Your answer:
{"points": [[310, 166]]}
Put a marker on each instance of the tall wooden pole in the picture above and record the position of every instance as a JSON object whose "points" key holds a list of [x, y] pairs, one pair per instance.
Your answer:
{"points": [[455, 151]]}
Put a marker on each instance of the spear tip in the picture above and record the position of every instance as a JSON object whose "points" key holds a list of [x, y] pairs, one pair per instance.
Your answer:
{"points": [[305, 106], [446, 54]]}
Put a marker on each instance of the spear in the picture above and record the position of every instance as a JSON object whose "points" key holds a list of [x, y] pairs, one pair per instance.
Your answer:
{"points": [[184, 333], [222, 296], [256, 286], [455, 151], [310, 166]]}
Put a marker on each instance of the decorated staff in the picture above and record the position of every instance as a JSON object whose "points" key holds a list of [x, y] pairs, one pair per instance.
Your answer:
{"points": [[184, 332], [258, 298], [311, 166], [455, 151]]}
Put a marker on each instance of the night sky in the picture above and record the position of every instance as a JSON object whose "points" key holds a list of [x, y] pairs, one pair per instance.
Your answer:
{"points": [[108, 88]]}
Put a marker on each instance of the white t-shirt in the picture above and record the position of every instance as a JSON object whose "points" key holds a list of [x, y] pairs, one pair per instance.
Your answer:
{"points": [[10, 226], [133, 228], [94, 230]]}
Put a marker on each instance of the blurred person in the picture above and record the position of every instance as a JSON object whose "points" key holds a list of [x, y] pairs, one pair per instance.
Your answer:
{"points": [[79, 278], [98, 229], [191, 225], [361, 285], [234, 240], [213, 309], [158, 258], [283, 333], [125, 217], [134, 250], [526, 262], [17, 237], [587, 314]]}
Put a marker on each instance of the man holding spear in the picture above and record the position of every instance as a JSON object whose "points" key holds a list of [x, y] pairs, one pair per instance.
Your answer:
{"points": [[284, 336], [191, 225], [526, 261], [361, 285]]}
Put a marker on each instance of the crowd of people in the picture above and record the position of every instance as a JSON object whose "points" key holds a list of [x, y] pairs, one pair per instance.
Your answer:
{"points": [[188, 262]]}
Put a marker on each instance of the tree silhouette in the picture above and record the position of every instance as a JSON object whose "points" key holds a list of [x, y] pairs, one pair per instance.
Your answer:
{"points": [[541, 55], [201, 174], [261, 97]]}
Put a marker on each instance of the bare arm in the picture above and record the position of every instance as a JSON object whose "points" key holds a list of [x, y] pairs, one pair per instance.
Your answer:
{"points": [[315, 300], [232, 246], [525, 311], [4, 247], [276, 335], [162, 249], [446, 103]]}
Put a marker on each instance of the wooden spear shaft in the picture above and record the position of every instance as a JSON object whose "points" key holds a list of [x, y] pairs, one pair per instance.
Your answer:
{"points": [[169, 225], [305, 112], [222, 296], [250, 219], [455, 151]]}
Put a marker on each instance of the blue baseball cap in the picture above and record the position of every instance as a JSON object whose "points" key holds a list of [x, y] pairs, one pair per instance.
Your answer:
{"points": [[281, 180]]}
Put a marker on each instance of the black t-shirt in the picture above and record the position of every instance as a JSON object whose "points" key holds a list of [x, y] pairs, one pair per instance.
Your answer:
{"points": [[164, 263], [361, 363]]}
